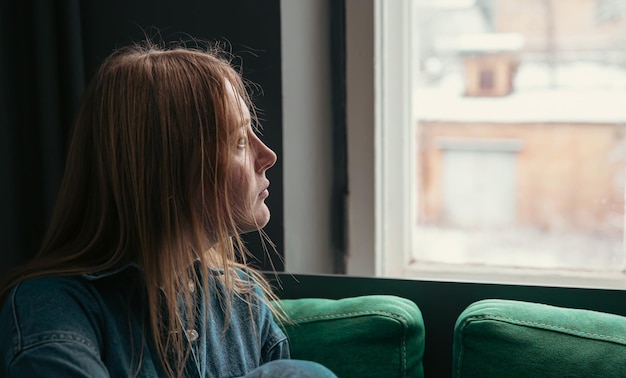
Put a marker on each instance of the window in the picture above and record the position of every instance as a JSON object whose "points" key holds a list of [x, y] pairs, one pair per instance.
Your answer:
{"points": [[500, 150], [486, 79]]}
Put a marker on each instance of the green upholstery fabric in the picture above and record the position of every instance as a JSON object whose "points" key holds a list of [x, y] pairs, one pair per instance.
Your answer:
{"points": [[366, 336], [504, 338]]}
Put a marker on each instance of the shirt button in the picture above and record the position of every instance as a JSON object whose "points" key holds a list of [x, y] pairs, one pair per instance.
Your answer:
{"points": [[192, 334], [192, 286]]}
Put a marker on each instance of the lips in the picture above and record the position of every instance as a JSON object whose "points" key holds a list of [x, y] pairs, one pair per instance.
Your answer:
{"points": [[265, 193]]}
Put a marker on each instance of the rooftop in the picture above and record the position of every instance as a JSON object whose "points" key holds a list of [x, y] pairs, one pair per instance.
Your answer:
{"points": [[584, 93]]}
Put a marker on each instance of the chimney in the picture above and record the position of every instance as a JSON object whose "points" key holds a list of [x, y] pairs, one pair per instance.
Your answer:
{"points": [[490, 62]]}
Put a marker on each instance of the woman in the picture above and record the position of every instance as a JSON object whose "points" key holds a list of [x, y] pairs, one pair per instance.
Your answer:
{"points": [[142, 271]]}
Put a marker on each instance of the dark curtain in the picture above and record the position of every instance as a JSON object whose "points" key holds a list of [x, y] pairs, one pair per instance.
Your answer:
{"points": [[49, 50], [42, 78]]}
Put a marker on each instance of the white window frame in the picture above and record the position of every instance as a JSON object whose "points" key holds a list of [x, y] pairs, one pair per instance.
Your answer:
{"points": [[381, 199], [381, 207]]}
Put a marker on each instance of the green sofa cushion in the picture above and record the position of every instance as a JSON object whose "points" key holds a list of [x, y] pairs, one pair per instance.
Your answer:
{"points": [[504, 338], [366, 336]]}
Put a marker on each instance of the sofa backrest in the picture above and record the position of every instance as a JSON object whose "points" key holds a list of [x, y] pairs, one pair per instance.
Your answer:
{"points": [[366, 336], [505, 338]]}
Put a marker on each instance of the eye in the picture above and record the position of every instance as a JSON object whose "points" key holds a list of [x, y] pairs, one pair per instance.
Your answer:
{"points": [[242, 142]]}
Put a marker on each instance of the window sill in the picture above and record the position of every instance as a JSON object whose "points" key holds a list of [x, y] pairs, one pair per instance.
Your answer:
{"points": [[611, 280]]}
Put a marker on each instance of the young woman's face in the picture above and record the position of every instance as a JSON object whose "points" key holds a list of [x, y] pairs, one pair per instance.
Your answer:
{"points": [[252, 158]]}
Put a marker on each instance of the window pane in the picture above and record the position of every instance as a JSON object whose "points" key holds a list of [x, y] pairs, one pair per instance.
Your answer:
{"points": [[521, 133]]}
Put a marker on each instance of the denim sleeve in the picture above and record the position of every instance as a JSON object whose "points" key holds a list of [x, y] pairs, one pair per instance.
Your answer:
{"points": [[48, 329], [57, 359], [275, 346]]}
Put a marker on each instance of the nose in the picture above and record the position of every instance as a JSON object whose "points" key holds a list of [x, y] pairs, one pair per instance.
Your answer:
{"points": [[265, 157]]}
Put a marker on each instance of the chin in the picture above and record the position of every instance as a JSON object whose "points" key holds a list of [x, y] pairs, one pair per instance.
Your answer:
{"points": [[262, 216], [251, 228], [261, 219]]}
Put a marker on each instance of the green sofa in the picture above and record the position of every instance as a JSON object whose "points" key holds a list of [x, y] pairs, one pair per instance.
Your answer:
{"points": [[372, 327], [366, 336], [504, 338]]}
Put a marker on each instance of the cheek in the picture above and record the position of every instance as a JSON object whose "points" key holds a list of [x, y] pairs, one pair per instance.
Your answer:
{"points": [[239, 190]]}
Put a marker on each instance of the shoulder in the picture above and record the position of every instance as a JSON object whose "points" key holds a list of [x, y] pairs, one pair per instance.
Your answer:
{"points": [[47, 285], [49, 309], [46, 296], [55, 326]]}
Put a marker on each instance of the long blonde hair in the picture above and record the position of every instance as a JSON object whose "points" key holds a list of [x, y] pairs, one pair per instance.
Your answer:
{"points": [[145, 183]]}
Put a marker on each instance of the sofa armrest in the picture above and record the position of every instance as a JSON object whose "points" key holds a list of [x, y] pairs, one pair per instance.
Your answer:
{"points": [[505, 338], [366, 336]]}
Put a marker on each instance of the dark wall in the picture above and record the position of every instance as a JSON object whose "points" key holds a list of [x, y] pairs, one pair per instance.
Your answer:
{"points": [[49, 51]]}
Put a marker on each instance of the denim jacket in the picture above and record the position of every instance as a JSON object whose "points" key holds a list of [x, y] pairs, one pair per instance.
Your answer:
{"points": [[96, 326]]}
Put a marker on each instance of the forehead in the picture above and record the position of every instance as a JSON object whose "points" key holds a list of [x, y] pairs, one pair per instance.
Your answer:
{"points": [[238, 104]]}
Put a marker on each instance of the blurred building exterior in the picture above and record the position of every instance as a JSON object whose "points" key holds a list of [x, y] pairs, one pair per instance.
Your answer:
{"points": [[538, 143]]}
